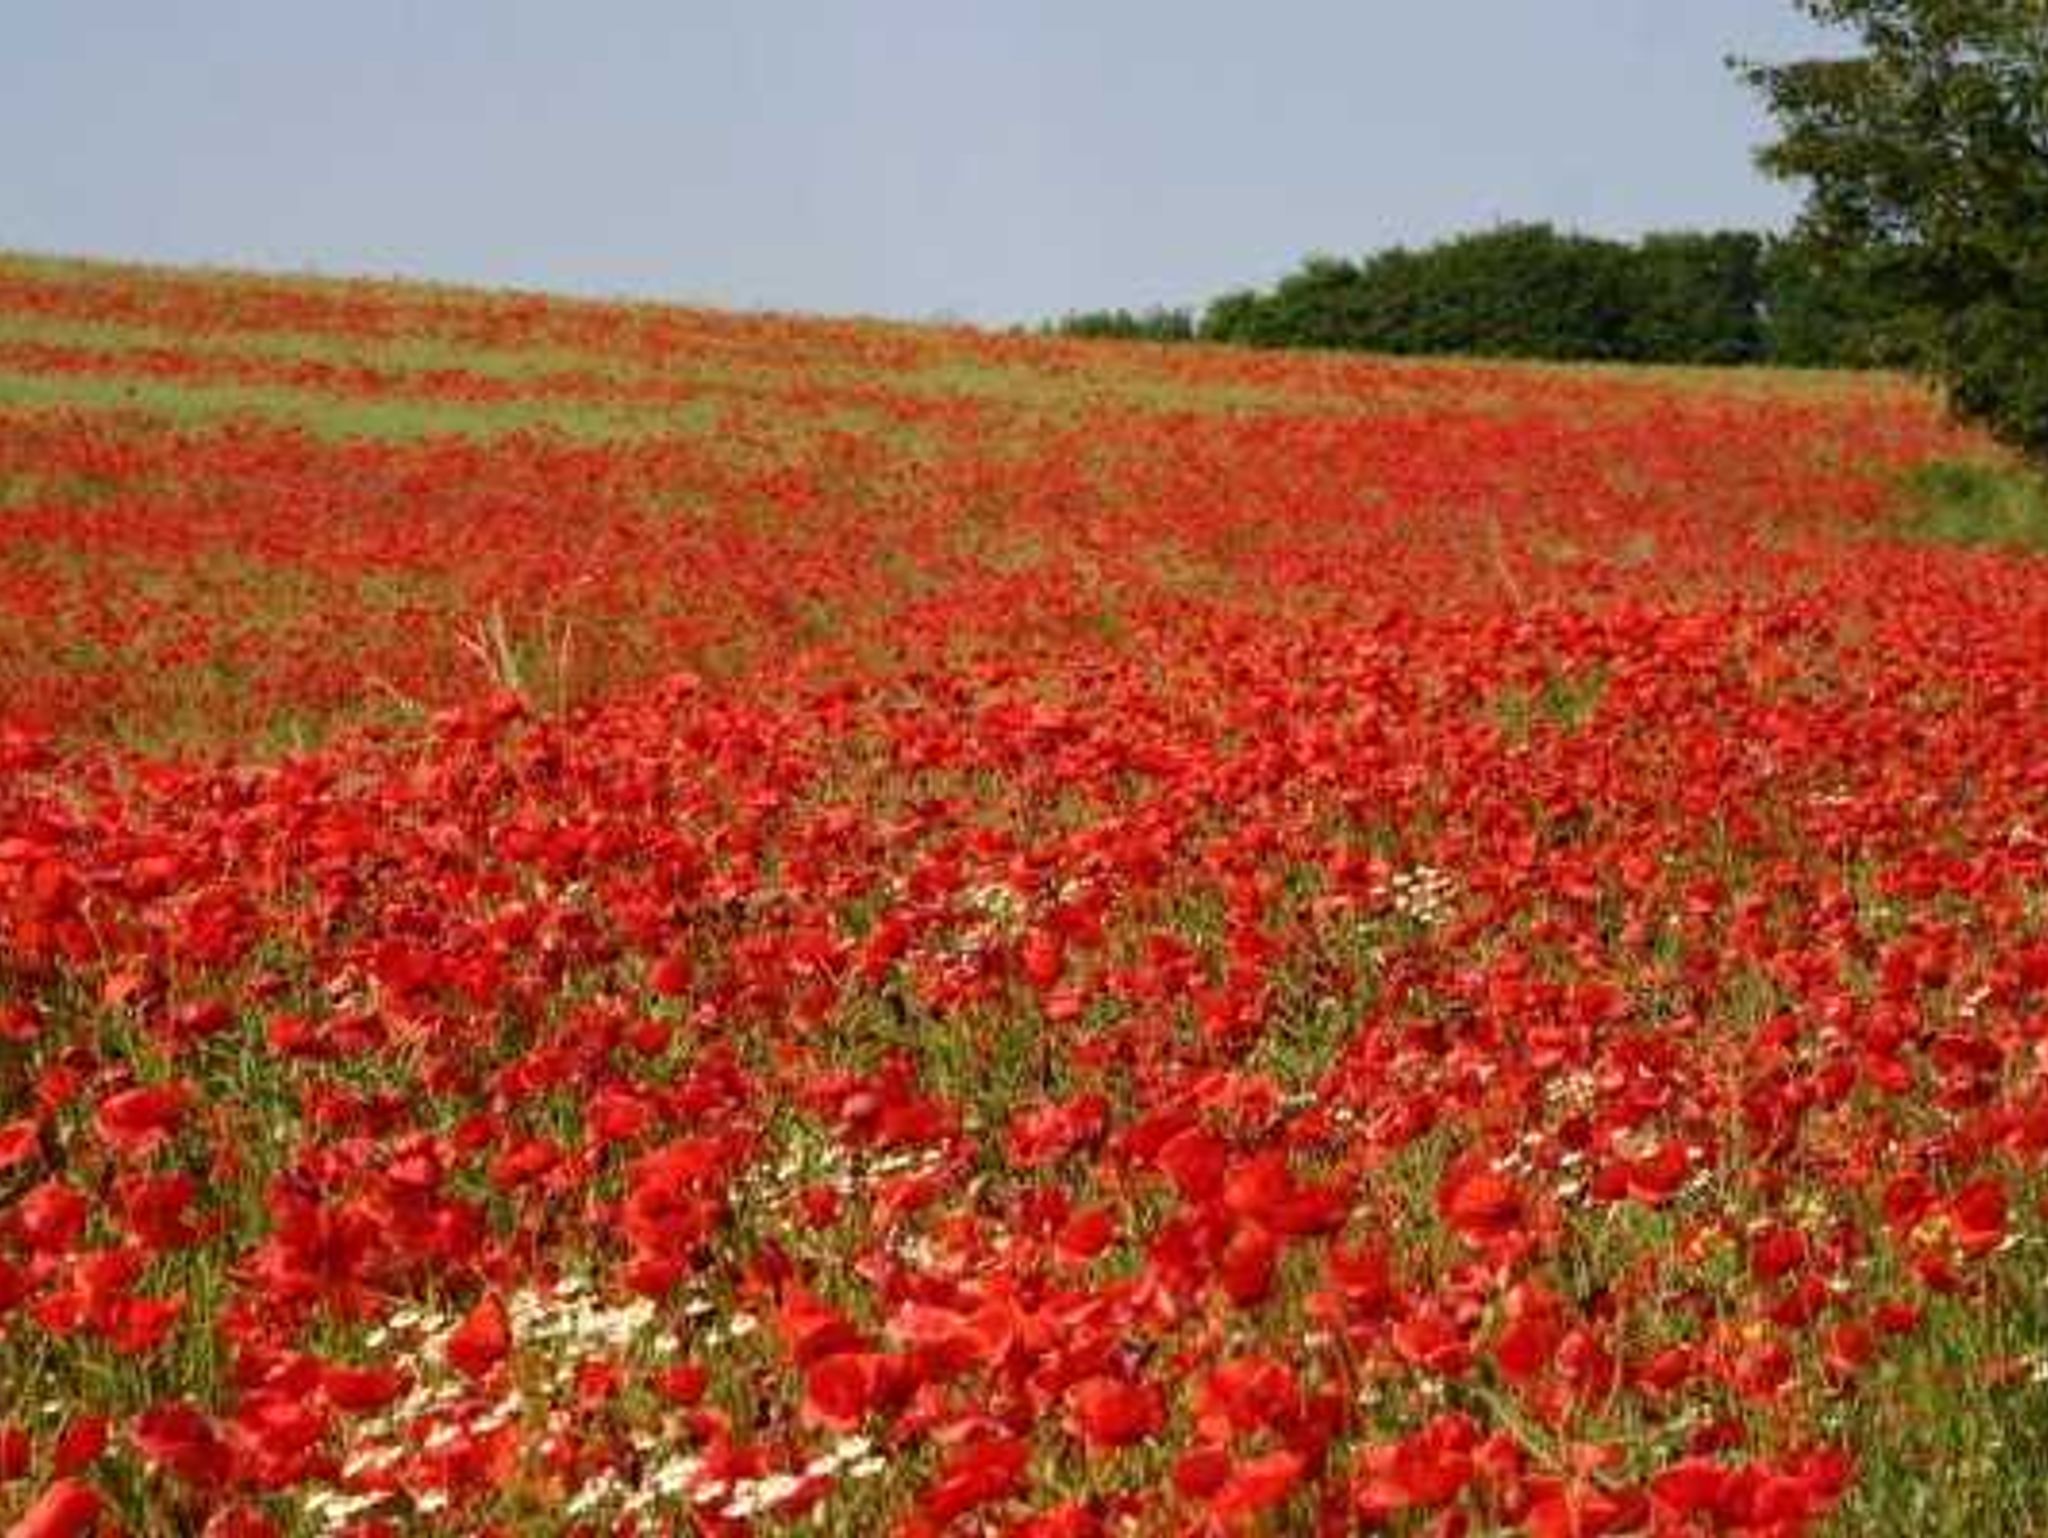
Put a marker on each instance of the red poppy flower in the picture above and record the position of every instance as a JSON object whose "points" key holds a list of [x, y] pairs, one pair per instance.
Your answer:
{"points": [[1110, 1413], [1481, 1205], [20, 1142], [483, 1338], [68, 1508], [976, 1475], [182, 1440], [137, 1122]]}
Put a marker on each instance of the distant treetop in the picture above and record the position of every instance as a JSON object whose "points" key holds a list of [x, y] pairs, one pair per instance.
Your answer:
{"points": [[1532, 291]]}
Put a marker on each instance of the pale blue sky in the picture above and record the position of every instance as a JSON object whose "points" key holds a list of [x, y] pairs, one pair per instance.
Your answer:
{"points": [[999, 161]]}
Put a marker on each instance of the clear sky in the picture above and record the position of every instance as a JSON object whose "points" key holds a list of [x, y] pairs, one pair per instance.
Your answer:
{"points": [[993, 159]]}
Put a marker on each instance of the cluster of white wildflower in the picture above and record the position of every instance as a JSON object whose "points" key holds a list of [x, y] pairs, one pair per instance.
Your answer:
{"points": [[713, 1331], [812, 1161], [684, 1480], [1573, 1185], [1421, 893], [998, 905], [331, 1511], [995, 915], [805, 1161], [907, 1161], [1574, 1090], [559, 1329], [1520, 1159]]}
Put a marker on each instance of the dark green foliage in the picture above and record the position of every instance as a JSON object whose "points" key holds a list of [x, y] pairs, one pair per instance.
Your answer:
{"points": [[1820, 314], [1321, 305], [1531, 291], [1241, 316], [1926, 158], [1154, 325], [1521, 291], [1698, 297]]}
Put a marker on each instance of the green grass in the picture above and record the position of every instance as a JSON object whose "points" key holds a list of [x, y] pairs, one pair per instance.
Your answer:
{"points": [[1564, 702], [185, 404], [1955, 1443], [400, 356], [1978, 503]]}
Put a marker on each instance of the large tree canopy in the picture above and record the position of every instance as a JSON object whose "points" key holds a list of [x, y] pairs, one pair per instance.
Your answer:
{"points": [[1926, 155]]}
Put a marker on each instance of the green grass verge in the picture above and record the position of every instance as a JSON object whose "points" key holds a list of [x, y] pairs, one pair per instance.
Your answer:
{"points": [[1955, 1440], [1978, 502]]}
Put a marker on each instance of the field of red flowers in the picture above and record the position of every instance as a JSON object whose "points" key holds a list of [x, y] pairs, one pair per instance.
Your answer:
{"points": [[625, 920]]}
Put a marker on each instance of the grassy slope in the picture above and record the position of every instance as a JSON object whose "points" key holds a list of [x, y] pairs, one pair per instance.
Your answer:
{"points": [[1952, 1455]]}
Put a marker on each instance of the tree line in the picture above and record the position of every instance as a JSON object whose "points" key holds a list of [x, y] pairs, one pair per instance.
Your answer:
{"points": [[1923, 243], [1534, 291]]}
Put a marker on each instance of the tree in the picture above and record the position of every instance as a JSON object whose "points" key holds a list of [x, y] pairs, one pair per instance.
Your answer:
{"points": [[1926, 155], [1699, 297], [1318, 305], [1824, 311], [1238, 316], [1515, 291], [1158, 324]]}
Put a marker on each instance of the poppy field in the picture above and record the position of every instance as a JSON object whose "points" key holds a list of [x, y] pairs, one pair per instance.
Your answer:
{"points": [[625, 920]]}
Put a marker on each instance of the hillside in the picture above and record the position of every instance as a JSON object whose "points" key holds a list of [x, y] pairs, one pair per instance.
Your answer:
{"points": [[618, 912]]}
